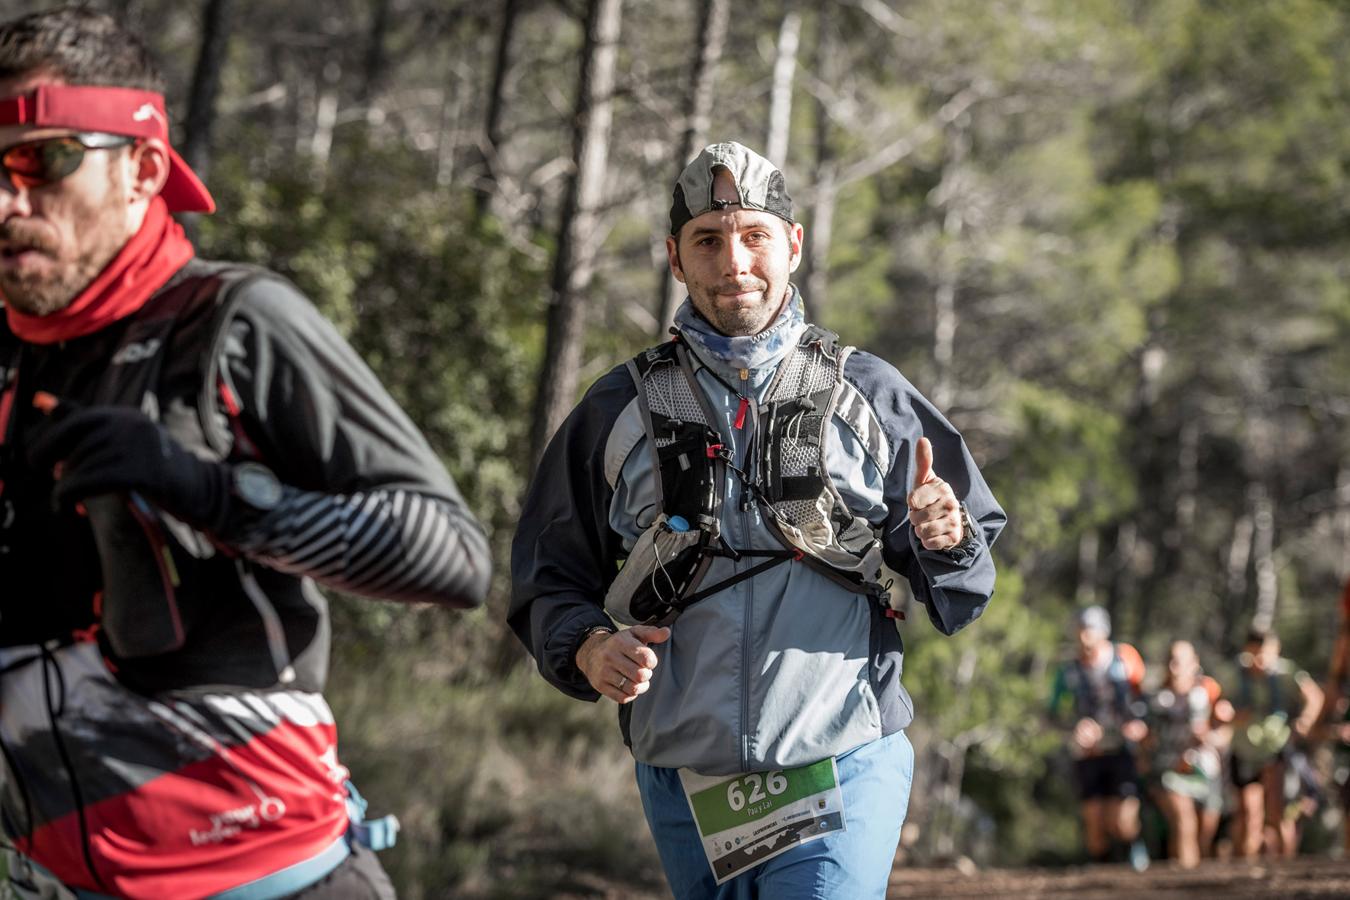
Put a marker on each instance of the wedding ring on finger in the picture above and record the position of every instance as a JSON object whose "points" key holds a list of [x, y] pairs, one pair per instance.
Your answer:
{"points": [[623, 681]]}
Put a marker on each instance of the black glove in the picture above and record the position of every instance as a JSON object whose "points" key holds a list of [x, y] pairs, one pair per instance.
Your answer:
{"points": [[118, 449]]}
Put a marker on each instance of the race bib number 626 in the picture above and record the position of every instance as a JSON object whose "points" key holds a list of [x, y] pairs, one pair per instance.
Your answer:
{"points": [[753, 817]]}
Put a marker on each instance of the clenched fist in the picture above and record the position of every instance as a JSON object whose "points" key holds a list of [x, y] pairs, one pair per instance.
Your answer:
{"points": [[620, 665]]}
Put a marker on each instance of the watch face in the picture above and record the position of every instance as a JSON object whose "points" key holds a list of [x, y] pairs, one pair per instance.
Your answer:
{"points": [[257, 486]]}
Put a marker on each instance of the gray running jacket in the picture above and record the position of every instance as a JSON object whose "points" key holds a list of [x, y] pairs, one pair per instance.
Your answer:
{"points": [[780, 670]]}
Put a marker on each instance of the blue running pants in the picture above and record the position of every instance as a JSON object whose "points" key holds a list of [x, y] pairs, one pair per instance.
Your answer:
{"points": [[854, 864]]}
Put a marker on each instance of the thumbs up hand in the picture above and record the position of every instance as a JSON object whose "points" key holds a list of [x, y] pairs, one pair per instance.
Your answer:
{"points": [[934, 513]]}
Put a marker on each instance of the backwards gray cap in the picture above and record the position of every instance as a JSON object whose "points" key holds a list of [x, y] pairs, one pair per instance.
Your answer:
{"points": [[1095, 618], [758, 181]]}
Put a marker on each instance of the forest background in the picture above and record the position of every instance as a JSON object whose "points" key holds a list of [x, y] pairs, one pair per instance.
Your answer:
{"points": [[1110, 237]]}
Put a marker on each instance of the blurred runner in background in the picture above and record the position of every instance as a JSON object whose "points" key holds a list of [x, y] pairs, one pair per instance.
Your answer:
{"points": [[1098, 692], [1184, 772], [1275, 703]]}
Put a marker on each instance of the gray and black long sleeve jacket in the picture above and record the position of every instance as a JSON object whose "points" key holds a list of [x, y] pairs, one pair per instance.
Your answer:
{"points": [[785, 668], [210, 762]]}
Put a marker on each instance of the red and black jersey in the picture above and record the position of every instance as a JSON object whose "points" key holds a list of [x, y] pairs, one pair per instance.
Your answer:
{"points": [[192, 771]]}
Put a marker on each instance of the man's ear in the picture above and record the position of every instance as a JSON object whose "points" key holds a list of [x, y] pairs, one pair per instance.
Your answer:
{"points": [[795, 237], [149, 168], [673, 254]]}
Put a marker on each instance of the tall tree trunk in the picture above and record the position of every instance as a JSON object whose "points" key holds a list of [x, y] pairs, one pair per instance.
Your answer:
{"points": [[780, 103], [377, 59], [944, 329], [1218, 630], [949, 192], [955, 753], [1188, 477], [575, 260], [127, 13], [825, 192], [1239, 559], [712, 27], [201, 115], [447, 133], [1343, 519], [325, 113], [1126, 568], [1089, 545], [1259, 439], [818, 240], [1263, 556], [303, 97], [1153, 512], [486, 187]]}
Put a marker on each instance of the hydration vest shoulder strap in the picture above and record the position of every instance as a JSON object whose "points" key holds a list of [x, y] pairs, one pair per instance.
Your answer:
{"points": [[1120, 679], [224, 436], [637, 373], [650, 357]]}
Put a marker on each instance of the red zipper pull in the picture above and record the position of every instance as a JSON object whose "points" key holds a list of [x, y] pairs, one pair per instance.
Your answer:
{"points": [[740, 413]]}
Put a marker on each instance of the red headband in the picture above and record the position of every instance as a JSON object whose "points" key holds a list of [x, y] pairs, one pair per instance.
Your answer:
{"points": [[113, 110]]}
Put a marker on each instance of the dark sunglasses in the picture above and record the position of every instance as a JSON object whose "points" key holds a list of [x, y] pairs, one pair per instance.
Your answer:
{"points": [[45, 160]]}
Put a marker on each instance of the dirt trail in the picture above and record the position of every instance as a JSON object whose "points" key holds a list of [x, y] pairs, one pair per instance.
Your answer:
{"points": [[1301, 878], [1308, 877]]}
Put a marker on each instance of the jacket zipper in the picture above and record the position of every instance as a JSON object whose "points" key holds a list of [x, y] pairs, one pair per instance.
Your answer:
{"points": [[747, 402]]}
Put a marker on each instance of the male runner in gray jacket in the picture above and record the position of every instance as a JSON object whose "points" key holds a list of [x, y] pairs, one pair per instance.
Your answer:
{"points": [[757, 473]]}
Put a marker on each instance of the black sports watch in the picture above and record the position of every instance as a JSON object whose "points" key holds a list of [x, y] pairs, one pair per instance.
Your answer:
{"points": [[581, 639], [256, 486], [970, 538]]}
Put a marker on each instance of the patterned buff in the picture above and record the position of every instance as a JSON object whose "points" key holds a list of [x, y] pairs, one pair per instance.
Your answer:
{"points": [[757, 352]]}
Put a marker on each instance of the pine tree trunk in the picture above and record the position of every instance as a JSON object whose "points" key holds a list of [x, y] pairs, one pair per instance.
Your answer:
{"points": [[574, 263], [1239, 558], [825, 193], [447, 133], [712, 26], [325, 114], [377, 60], [780, 103], [1089, 545], [949, 193], [486, 188], [1263, 557], [1188, 477], [1343, 519], [1126, 582], [201, 115], [127, 13]]}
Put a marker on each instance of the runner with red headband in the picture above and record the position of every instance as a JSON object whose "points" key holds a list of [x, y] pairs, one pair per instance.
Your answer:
{"points": [[185, 448]]}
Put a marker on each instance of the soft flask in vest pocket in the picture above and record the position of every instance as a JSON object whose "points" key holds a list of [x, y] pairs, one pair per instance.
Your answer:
{"points": [[667, 563], [140, 613]]}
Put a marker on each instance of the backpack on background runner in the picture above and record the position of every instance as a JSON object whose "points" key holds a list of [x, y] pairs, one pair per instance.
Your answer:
{"points": [[1125, 672]]}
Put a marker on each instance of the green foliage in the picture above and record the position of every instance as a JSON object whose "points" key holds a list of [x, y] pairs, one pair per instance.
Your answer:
{"points": [[1067, 472], [438, 303], [504, 788], [963, 688], [993, 703]]}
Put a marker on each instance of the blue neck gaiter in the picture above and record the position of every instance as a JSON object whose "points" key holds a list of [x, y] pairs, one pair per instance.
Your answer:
{"points": [[760, 353]]}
